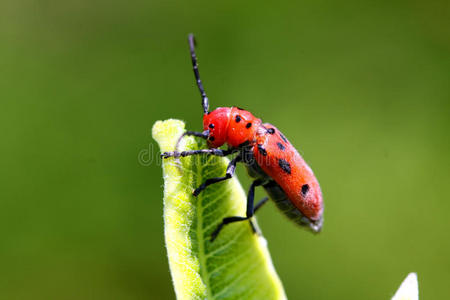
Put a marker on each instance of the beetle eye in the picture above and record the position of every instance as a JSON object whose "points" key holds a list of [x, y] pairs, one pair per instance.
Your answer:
{"points": [[305, 189]]}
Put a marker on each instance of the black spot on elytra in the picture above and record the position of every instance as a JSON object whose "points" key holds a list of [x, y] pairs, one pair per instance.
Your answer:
{"points": [[211, 126], [305, 189], [283, 138], [238, 118], [280, 146], [249, 124], [211, 138], [284, 165], [271, 130], [262, 150]]}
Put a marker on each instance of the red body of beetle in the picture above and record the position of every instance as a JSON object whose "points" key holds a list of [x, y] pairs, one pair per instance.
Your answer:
{"points": [[269, 157], [273, 153]]}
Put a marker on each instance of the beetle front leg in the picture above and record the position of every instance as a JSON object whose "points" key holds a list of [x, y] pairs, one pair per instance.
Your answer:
{"points": [[203, 135], [214, 151]]}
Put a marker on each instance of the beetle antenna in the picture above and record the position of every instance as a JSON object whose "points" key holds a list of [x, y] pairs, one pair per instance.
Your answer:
{"points": [[205, 101]]}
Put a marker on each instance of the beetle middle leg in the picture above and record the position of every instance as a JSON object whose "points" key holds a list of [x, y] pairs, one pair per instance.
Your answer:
{"points": [[230, 172], [251, 209]]}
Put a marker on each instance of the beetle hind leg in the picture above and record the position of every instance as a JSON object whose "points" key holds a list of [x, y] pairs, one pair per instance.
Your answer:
{"points": [[251, 210]]}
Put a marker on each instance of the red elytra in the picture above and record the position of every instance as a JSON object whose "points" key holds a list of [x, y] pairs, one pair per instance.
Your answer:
{"points": [[268, 156], [234, 127]]}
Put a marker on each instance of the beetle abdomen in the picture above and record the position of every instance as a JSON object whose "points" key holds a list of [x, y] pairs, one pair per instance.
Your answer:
{"points": [[285, 205], [277, 195], [282, 163]]}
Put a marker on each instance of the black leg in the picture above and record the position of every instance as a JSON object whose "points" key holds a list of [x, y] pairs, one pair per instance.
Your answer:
{"points": [[249, 213], [257, 206], [251, 198], [260, 203], [230, 172], [203, 135], [214, 151], [225, 221]]}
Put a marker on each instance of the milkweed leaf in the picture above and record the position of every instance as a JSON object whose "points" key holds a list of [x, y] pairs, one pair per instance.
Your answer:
{"points": [[237, 265]]}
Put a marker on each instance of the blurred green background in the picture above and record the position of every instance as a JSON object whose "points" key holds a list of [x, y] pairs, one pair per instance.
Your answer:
{"points": [[361, 88]]}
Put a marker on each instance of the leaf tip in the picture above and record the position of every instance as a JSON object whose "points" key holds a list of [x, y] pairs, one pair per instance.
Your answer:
{"points": [[166, 132], [409, 289]]}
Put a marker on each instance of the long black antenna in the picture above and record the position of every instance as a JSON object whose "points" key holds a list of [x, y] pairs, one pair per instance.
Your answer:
{"points": [[205, 101]]}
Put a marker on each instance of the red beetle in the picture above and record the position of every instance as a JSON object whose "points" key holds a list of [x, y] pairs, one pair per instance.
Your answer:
{"points": [[268, 156]]}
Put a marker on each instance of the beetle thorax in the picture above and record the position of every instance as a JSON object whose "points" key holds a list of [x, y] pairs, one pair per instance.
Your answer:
{"points": [[230, 125]]}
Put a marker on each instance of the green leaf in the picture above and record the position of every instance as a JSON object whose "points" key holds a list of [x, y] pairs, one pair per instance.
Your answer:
{"points": [[237, 265]]}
